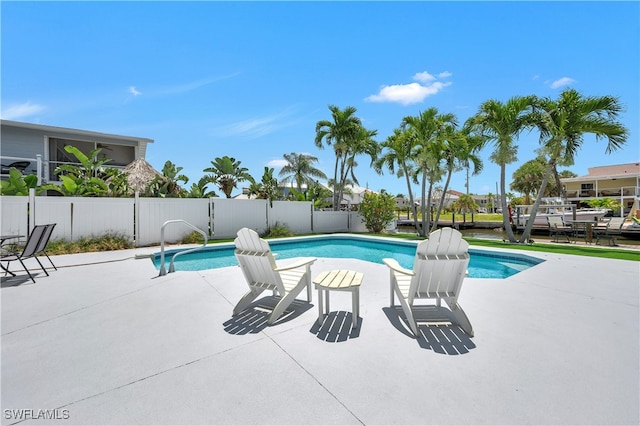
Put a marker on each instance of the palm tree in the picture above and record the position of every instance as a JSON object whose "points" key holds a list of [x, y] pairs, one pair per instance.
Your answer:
{"points": [[226, 173], [429, 129], [501, 123], [400, 149], [338, 133], [460, 150], [267, 188], [562, 126], [361, 143], [300, 169], [465, 204]]}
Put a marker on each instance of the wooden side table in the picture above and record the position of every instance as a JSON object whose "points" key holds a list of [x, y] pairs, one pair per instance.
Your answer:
{"points": [[339, 280]]}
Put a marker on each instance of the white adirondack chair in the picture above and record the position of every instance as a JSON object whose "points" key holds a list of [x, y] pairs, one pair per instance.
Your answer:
{"points": [[438, 271], [262, 273]]}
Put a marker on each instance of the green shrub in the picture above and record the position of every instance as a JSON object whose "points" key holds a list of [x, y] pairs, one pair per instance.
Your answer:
{"points": [[279, 231], [105, 242], [193, 237], [377, 210]]}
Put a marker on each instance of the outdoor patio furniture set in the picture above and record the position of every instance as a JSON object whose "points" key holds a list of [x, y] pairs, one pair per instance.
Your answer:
{"points": [[573, 230], [440, 266]]}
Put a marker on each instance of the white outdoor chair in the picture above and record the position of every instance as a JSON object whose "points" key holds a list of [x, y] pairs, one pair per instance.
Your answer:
{"points": [[439, 268], [262, 273]]}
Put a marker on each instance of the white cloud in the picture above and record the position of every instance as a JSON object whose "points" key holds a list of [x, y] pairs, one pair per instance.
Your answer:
{"points": [[424, 77], [23, 110], [277, 163], [412, 93], [564, 81], [133, 91]]}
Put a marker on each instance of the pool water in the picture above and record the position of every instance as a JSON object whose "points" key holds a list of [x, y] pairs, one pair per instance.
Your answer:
{"points": [[483, 264]]}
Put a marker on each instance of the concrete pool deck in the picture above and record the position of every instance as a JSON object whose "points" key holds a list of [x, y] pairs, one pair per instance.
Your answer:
{"points": [[112, 343]]}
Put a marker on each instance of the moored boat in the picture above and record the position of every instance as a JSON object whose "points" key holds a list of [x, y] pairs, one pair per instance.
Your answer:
{"points": [[554, 206]]}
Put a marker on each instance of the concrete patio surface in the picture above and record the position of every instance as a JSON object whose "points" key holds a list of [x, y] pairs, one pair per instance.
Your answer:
{"points": [[111, 343]]}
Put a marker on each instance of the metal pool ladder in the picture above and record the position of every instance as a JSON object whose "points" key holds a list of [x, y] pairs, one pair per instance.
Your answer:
{"points": [[163, 271]]}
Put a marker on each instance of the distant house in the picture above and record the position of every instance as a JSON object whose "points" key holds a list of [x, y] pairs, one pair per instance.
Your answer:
{"points": [[39, 149], [620, 182]]}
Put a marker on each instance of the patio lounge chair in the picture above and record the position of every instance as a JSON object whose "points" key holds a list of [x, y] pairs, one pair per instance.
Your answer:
{"points": [[262, 273], [611, 231], [42, 246], [439, 268], [29, 251]]}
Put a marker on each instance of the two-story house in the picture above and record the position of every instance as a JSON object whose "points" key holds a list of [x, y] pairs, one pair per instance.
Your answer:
{"points": [[620, 182], [39, 149]]}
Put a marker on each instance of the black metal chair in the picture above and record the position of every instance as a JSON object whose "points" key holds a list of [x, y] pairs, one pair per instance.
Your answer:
{"points": [[29, 251], [612, 230], [557, 228]]}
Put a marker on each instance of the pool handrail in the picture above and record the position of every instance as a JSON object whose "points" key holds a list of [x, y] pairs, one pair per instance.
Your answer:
{"points": [[163, 271]]}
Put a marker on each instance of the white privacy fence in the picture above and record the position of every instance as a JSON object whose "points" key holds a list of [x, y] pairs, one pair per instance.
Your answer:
{"points": [[140, 219]]}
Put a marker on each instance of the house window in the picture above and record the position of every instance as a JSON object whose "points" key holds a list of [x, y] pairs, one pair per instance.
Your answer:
{"points": [[118, 155], [586, 190]]}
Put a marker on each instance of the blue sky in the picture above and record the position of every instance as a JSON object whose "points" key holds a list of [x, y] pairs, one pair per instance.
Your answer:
{"points": [[251, 79]]}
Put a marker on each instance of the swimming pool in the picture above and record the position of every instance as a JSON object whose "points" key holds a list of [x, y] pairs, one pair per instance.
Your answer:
{"points": [[483, 263]]}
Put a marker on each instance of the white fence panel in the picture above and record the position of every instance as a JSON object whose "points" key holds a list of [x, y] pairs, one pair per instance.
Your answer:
{"points": [[56, 210], [329, 221], [15, 220], [356, 223], [230, 215], [94, 217], [295, 215], [155, 211]]}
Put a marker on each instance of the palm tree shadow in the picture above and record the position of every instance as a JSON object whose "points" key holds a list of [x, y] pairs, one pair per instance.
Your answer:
{"points": [[436, 331], [255, 317]]}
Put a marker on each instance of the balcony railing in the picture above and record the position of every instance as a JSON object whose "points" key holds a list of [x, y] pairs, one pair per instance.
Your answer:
{"points": [[36, 166], [624, 191]]}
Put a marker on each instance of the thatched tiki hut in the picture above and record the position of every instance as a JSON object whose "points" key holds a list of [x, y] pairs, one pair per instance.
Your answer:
{"points": [[140, 174]]}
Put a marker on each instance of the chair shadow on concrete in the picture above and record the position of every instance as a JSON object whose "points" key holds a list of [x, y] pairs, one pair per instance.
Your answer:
{"points": [[255, 317], [18, 280], [336, 327], [437, 331]]}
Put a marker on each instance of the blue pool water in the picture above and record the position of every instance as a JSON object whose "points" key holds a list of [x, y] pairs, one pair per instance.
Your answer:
{"points": [[483, 264]]}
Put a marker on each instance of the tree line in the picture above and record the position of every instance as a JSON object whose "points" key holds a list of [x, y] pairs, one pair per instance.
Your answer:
{"points": [[424, 150]]}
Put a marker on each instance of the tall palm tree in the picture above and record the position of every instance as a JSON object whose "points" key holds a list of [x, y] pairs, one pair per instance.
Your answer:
{"points": [[362, 142], [338, 132], [429, 130], [563, 124], [300, 169], [460, 150], [399, 150], [502, 123], [226, 173]]}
